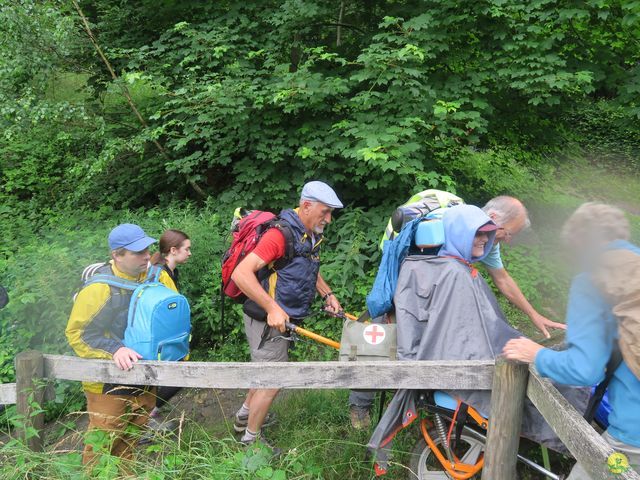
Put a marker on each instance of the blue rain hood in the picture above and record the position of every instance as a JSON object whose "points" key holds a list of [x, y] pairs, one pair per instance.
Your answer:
{"points": [[460, 226]]}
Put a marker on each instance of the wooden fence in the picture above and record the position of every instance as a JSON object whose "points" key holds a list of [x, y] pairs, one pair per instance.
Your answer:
{"points": [[510, 383]]}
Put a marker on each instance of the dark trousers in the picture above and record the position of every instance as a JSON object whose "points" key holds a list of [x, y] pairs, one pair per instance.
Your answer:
{"points": [[165, 394]]}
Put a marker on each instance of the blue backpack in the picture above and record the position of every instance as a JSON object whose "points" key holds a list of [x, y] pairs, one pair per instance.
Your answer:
{"points": [[159, 319], [425, 232]]}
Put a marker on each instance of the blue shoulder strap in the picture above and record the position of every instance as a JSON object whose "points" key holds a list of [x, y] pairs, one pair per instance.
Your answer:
{"points": [[153, 273], [112, 280], [380, 298]]}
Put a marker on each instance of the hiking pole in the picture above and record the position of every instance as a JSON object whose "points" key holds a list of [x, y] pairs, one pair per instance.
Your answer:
{"points": [[304, 332], [313, 336]]}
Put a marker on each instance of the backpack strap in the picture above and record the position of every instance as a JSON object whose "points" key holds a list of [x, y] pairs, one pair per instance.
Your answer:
{"points": [[287, 233], [289, 247], [91, 270], [112, 280], [153, 273], [594, 402]]}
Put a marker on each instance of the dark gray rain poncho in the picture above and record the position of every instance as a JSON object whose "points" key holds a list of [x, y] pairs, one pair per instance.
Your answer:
{"points": [[446, 311]]}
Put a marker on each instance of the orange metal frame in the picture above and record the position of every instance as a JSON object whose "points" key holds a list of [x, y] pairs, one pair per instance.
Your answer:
{"points": [[457, 469]]}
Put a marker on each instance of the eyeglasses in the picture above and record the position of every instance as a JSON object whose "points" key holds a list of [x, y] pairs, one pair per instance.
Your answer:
{"points": [[507, 234]]}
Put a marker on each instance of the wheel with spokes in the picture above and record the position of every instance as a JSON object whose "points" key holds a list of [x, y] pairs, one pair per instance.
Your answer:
{"points": [[425, 466]]}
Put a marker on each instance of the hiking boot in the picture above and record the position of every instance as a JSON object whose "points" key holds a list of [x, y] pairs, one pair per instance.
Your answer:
{"points": [[360, 417], [261, 443], [240, 423]]}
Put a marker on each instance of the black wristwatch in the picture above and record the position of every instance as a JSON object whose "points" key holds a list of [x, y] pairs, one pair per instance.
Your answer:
{"points": [[327, 295]]}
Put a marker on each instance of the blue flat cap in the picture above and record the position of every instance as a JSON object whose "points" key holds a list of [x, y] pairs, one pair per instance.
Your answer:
{"points": [[320, 192], [129, 236]]}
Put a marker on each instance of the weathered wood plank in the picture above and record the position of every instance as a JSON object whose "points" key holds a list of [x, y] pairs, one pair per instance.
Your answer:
{"points": [[30, 396], [360, 375], [503, 436], [578, 436], [7, 394]]}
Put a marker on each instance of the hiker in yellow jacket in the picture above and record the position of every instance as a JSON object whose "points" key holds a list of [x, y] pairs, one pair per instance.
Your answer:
{"points": [[96, 329]]}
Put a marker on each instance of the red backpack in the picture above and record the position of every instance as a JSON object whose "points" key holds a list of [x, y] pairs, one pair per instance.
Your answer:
{"points": [[247, 232]]}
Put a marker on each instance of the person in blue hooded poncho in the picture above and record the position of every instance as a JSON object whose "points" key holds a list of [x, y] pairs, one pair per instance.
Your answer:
{"points": [[469, 234], [444, 309]]}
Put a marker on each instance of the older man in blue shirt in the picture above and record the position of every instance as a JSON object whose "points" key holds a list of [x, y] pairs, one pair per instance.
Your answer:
{"points": [[592, 330]]}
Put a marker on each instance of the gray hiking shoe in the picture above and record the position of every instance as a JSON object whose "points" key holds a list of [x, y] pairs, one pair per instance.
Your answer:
{"points": [[260, 443], [240, 423]]}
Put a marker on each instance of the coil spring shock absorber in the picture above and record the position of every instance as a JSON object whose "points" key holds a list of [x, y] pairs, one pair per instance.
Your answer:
{"points": [[441, 428]]}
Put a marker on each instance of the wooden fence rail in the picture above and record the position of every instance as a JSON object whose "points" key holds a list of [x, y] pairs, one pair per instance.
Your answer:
{"points": [[579, 437], [510, 384], [475, 375]]}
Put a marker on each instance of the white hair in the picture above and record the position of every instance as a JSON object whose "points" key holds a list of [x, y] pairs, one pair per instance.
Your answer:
{"points": [[507, 209]]}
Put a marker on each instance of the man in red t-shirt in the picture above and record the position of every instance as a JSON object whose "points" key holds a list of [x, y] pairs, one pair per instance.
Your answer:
{"points": [[287, 293], [271, 246]]}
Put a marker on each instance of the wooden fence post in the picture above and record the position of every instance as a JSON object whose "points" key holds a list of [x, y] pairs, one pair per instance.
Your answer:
{"points": [[29, 370], [503, 436]]}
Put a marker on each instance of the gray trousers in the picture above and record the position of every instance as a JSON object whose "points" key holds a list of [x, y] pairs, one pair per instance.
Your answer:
{"points": [[358, 398], [632, 454]]}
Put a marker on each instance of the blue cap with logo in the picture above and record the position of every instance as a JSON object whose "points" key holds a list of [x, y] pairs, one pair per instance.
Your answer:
{"points": [[320, 192], [129, 236]]}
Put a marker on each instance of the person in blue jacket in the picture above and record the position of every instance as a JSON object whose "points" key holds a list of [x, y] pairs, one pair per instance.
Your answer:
{"points": [[592, 330]]}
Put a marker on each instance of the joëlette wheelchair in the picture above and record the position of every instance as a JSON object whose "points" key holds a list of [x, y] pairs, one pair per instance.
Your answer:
{"points": [[453, 441]]}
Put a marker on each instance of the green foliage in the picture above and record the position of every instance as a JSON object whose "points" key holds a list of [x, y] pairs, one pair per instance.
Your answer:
{"points": [[313, 430], [326, 448], [606, 130], [38, 39], [249, 100], [537, 270], [237, 94]]}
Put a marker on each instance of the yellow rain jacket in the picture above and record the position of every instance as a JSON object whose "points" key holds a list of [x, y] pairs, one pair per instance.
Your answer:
{"points": [[99, 317]]}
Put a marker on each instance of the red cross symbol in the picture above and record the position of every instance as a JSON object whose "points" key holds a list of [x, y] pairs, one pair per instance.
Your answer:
{"points": [[371, 334]]}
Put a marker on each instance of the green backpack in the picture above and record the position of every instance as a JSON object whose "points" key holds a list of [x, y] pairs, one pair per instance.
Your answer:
{"points": [[419, 204]]}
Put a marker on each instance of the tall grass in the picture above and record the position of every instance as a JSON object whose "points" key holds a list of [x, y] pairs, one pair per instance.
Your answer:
{"points": [[313, 431]]}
